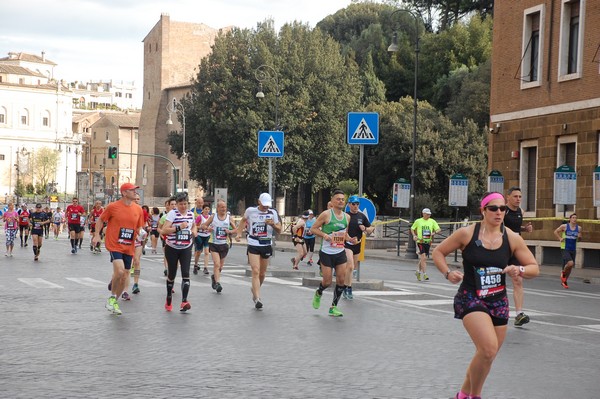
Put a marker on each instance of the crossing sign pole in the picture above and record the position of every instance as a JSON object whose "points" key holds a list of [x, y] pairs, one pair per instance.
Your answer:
{"points": [[270, 145], [362, 128]]}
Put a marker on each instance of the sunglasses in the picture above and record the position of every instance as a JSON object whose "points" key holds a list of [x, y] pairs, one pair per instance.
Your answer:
{"points": [[495, 208], [355, 203]]}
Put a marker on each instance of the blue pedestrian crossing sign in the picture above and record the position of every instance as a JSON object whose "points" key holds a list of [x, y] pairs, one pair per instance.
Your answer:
{"points": [[363, 128], [270, 143]]}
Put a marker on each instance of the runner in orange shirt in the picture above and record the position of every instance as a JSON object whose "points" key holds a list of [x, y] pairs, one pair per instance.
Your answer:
{"points": [[124, 219]]}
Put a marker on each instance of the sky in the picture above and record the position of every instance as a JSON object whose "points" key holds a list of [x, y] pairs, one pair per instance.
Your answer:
{"points": [[102, 39]]}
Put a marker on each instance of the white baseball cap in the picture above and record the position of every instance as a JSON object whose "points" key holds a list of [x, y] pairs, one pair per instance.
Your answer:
{"points": [[427, 211], [265, 200]]}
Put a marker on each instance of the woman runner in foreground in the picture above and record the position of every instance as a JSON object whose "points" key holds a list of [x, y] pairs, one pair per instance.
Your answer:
{"points": [[481, 301]]}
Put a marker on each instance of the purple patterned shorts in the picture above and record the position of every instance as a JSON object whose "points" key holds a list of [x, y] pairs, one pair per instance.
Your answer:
{"points": [[466, 302]]}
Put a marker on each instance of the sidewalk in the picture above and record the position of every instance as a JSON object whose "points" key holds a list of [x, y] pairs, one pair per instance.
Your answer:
{"points": [[587, 275]]}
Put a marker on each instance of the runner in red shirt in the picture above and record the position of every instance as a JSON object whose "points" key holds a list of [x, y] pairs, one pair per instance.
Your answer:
{"points": [[23, 223], [73, 215], [92, 219]]}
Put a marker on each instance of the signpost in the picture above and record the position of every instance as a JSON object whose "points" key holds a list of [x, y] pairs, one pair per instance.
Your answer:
{"points": [[597, 186], [458, 195], [495, 182], [270, 145], [400, 199], [362, 128], [565, 186]]}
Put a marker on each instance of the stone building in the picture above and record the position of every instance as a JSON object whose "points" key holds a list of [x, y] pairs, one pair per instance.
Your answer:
{"points": [[545, 113], [35, 117], [172, 53]]}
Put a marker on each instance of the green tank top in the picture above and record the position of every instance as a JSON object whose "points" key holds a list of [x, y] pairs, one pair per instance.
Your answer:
{"points": [[336, 228]]}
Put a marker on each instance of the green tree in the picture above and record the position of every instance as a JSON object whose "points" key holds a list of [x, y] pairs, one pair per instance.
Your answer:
{"points": [[443, 149], [317, 87], [46, 163]]}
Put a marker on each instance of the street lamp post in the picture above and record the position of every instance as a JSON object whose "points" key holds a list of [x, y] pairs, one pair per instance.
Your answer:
{"points": [[411, 250], [266, 73], [177, 106]]}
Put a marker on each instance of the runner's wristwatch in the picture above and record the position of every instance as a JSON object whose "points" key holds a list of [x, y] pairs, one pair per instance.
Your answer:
{"points": [[521, 271]]}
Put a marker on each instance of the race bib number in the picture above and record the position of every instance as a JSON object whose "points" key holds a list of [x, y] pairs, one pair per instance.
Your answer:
{"points": [[221, 233], [25, 219], [337, 239], [259, 229], [74, 215], [183, 237], [426, 233], [125, 236], [489, 281], [37, 225]]}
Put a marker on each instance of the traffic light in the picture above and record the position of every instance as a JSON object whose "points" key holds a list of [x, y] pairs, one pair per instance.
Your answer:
{"points": [[113, 152]]}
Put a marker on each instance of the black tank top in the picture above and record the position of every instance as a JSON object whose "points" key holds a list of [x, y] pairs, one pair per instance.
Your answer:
{"points": [[483, 267], [513, 219]]}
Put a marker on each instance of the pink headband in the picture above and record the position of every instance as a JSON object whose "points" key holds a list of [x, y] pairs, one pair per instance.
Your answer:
{"points": [[490, 197]]}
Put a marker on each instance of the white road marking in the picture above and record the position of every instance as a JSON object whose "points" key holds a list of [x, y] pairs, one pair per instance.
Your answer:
{"points": [[39, 283], [88, 282]]}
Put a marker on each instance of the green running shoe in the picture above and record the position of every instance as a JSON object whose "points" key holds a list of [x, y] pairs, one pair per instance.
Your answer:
{"points": [[316, 300], [335, 312], [116, 308]]}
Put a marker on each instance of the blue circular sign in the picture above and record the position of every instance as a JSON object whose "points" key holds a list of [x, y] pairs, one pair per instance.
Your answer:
{"points": [[367, 207]]}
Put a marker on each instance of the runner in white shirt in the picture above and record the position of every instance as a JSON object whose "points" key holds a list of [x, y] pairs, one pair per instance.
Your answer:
{"points": [[262, 222], [180, 230], [221, 226]]}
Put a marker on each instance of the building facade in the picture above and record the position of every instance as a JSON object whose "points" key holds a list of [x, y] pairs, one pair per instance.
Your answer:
{"points": [[545, 113], [35, 119], [172, 53]]}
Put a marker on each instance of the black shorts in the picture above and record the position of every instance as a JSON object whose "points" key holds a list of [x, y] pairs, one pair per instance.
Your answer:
{"points": [[265, 251], [334, 260], [154, 233], [424, 248], [76, 227], [221, 249], [37, 232], [24, 229], [310, 244], [124, 257], [568, 256], [297, 241], [355, 248]]}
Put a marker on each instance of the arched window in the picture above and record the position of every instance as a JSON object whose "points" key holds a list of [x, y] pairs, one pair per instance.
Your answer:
{"points": [[46, 118], [24, 117]]}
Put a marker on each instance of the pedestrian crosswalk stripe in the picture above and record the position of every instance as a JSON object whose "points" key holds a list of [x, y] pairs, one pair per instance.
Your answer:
{"points": [[148, 283], [280, 281], [427, 302], [39, 283], [87, 281], [385, 293]]}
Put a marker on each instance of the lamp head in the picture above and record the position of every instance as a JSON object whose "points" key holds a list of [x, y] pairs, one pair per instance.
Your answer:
{"points": [[260, 94], [169, 121], [394, 46]]}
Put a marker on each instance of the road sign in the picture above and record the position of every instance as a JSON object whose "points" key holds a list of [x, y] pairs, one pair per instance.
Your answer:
{"points": [[367, 207], [459, 190], [401, 194], [495, 182], [597, 186], [363, 128], [565, 186], [270, 143]]}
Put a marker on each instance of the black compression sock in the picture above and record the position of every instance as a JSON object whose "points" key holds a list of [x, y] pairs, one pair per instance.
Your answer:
{"points": [[321, 289], [170, 285], [339, 289], [185, 289]]}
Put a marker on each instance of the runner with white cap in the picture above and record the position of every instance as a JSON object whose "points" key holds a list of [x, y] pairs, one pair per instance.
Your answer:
{"points": [[262, 221]]}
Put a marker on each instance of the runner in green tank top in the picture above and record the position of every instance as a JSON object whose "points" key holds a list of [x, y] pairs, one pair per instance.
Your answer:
{"points": [[332, 226]]}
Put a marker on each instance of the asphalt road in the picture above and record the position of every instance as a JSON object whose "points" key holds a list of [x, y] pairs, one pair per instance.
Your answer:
{"points": [[58, 341]]}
